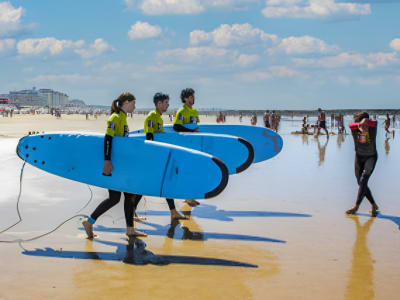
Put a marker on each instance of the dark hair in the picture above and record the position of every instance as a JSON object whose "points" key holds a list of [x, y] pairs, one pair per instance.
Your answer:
{"points": [[117, 103], [360, 116], [186, 93], [160, 97]]}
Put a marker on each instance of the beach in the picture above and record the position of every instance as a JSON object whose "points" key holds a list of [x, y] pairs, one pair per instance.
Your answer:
{"points": [[278, 231]]}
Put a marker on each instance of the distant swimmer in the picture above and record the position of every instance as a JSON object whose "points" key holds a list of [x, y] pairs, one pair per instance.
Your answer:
{"points": [[187, 114], [117, 125], [154, 124], [322, 122], [364, 135]]}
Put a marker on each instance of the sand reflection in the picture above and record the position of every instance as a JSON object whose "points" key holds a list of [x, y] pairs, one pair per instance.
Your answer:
{"points": [[361, 273]]}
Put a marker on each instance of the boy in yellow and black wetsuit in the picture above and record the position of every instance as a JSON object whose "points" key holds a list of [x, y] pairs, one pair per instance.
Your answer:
{"points": [[187, 115], [154, 124]]}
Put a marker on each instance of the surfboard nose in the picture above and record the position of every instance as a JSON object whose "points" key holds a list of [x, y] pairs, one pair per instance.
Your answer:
{"points": [[22, 147]]}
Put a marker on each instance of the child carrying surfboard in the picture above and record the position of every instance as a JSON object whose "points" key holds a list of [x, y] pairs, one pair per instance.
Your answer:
{"points": [[117, 125], [187, 114], [154, 124]]}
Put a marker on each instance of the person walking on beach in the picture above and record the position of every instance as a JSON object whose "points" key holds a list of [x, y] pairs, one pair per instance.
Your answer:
{"points": [[117, 125], [187, 114], [154, 124], [266, 119], [387, 124], [322, 122], [364, 131]]}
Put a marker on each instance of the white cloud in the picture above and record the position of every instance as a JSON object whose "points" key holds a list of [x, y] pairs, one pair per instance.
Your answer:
{"points": [[369, 61], [111, 66], [143, 30], [73, 78], [98, 47], [395, 44], [270, 73], [10, 18], [46, 45], [226, 35], [303, 45], [52, 46], [245, 60], [282, 71], [313, 9], [185, 7], [194, 54], [7, 45]]}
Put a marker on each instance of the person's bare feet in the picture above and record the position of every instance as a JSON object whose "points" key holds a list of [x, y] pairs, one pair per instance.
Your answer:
{"points": [[352, 211], [192, 202], [88, 228], [374, 211], [175, 215], [138, 218], [130, 231]]}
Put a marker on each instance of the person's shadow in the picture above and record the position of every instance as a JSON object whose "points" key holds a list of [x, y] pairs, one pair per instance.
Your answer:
{"points": [[206, 211], [394, 219], [176, 231], [135, 253]]}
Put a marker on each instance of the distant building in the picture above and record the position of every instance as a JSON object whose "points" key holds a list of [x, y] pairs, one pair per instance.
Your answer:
{"points": [[77, 102], [41, 97], [54, 98], [27, 97]]}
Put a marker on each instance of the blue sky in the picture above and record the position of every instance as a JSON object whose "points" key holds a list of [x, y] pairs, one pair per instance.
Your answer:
{"points": [[240, 54]]}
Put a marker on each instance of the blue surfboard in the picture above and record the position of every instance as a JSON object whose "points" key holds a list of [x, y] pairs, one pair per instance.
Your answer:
{"points": [[266, 143], [139, 166], [237, 159]]}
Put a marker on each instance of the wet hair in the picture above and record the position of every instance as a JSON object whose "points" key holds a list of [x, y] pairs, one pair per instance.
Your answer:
{"points": [[160, 97], [117, 103], [186, 93], [360, 116]]}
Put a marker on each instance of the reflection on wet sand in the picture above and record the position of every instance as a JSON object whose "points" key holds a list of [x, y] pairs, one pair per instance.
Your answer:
{"points": [[387, 146], [321, 150], [361, 273], [340, 140]]}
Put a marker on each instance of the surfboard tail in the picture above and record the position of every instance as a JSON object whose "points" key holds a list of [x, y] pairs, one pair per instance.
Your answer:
{"points": [[224, 179], [250, 159]]}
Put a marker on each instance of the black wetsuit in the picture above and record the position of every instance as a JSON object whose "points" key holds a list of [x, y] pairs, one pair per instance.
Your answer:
{"points": [[365, 160]]}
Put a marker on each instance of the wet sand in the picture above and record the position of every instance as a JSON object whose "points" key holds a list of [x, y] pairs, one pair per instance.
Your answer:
{"points": [[278, 231]]}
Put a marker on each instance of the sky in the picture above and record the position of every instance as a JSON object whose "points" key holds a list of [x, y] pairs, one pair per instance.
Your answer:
{"points": [[236, 54]]}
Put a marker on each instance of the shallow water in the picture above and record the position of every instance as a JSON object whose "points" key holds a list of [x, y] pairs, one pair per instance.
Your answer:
{"points": [[277, 231]]}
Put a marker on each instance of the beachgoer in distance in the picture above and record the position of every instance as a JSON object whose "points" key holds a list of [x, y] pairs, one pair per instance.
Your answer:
{"points": [[387, 123], [364, 131], [322, 122], [154, 124], [253, 120], [266, 119], [187, 114], [116, 126]]}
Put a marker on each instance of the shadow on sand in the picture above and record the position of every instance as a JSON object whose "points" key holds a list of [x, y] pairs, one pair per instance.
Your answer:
{"points": [[135, 253], [206, 211]]}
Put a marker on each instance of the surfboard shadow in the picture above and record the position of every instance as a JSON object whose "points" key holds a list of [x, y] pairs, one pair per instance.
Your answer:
{"points": [[394, 219], [135, 253], [206, 211], [178, 232]]}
